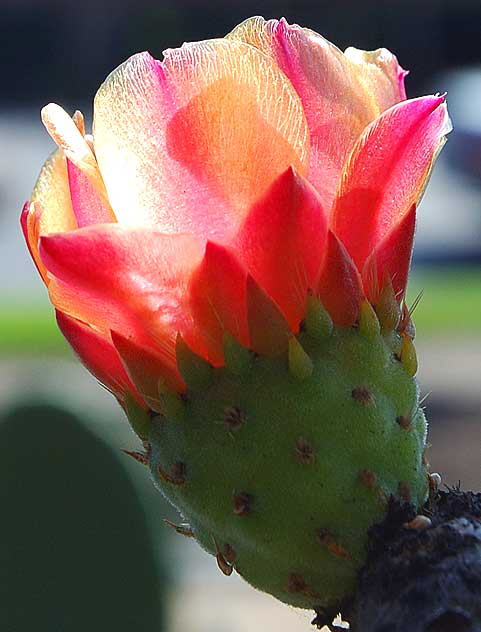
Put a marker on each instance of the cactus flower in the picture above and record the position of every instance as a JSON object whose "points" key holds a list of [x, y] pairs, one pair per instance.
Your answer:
{"points": [[228, 254]]}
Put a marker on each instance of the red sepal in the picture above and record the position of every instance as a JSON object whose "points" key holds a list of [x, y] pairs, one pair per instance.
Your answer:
{"points": [[340, 285]]}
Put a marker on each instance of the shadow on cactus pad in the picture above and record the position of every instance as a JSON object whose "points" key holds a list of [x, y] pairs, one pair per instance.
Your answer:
{"points": [[75, 550]]}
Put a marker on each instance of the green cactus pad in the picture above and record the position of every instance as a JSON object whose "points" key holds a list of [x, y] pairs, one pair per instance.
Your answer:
{"points": [[281, 469]]}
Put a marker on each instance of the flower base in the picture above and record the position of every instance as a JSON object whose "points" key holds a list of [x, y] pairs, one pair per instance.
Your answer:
{"points": [[280, 465]]}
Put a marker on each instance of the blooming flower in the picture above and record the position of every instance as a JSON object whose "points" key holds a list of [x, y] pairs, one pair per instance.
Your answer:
{"points": [[232, 195], [219, 186]]}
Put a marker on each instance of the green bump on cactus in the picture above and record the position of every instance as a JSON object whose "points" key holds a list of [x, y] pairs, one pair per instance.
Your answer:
{"points": [[318, 322], [408, 356], [368, 321], [172, 403], [138, 417], [300, 364], [237, 358], [387, 308], [197, 373], [281, 478]]}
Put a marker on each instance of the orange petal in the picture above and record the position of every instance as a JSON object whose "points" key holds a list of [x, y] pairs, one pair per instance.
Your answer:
{"points": [[340, 286], [188, 144], [340, 93]]}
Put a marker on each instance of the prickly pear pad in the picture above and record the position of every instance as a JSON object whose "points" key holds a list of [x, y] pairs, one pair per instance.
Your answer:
{"points": [[281, 476]]}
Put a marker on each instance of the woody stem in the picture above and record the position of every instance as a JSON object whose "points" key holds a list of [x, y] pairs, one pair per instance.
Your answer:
{"points": [[425, 580]]}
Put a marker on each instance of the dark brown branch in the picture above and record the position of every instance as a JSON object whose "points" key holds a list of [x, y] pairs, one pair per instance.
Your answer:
{"points": [[422, 581]]}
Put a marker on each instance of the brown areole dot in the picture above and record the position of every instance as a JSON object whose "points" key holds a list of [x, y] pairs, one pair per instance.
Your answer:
{"points": [[326, 538], [363, 395], [404, 422], [176, 476], [296, 583], [368, 478], [304, 452], [234, 417], [242, 504]]}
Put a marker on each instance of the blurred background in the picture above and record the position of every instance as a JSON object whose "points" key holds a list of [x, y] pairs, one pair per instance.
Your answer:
{"points": [[84, 546]]}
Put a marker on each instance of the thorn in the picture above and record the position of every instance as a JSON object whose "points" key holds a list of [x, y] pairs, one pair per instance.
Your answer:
{"points": [[406, 324], [141, 457], [304, 452], [229, 553], [234, 417], [318, 322], [197, 373], [326, 538], [363, 395], [416, 302], [387, 308], [368, 478], [242, 504], [222, 563], [300, 364], [181, 529], [238, 359], [404, 422], [407, 356], [369, 325], [404, 491], [419, 523], [424, 398], [176, 476]]}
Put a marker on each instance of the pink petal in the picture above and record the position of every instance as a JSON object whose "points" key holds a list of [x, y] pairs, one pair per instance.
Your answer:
{"points": [[340, 286], [387, 172], [340, 93], [391, 259], [282, 241], [147, 370], [97, 354], [133, 281], [89, 205], [218, 299], [188, 144], [268, 329]]}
